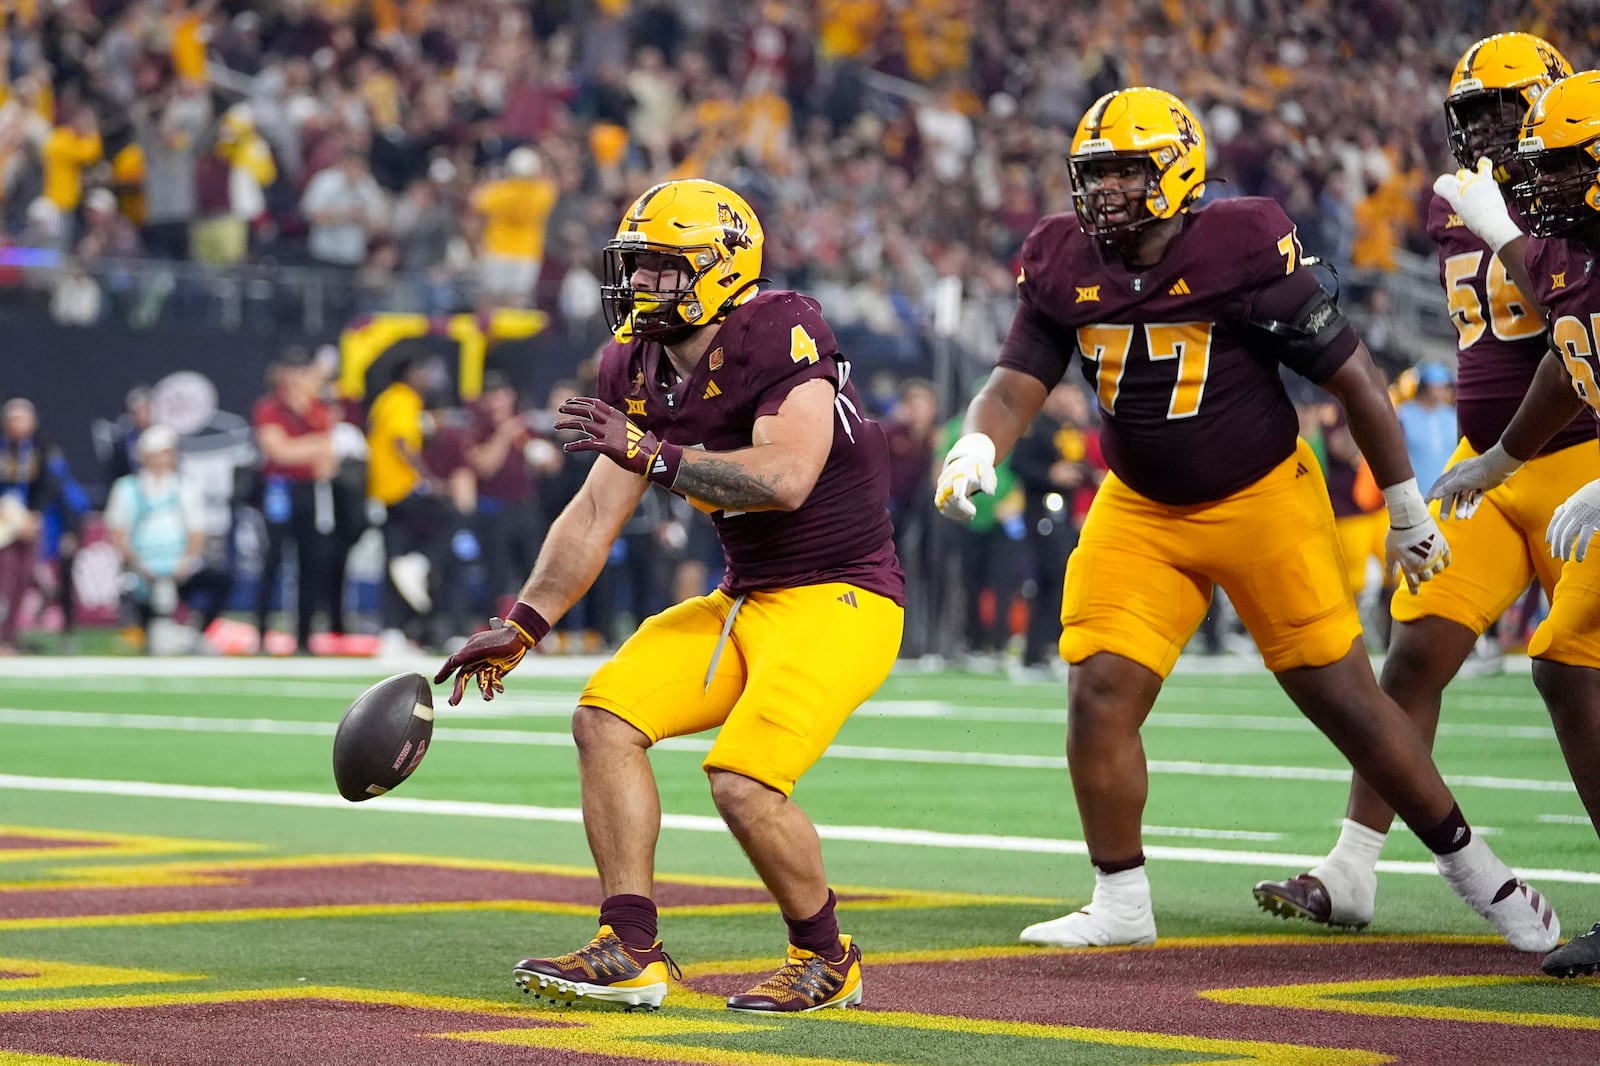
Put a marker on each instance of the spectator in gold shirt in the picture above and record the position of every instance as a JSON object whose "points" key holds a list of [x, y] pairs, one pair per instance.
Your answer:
{"points": [[415, 528], [71, 148], [515, 211]]}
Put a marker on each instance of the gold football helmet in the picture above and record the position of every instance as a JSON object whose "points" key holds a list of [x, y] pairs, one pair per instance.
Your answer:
{"points": [[1493, 85], [1560, 149], [704, 230], [1128, 131]]}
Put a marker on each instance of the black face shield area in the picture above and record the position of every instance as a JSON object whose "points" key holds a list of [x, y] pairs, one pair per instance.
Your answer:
{"points": [[1110, 194], [654, 312], [1553, 196], [1487, 123]]}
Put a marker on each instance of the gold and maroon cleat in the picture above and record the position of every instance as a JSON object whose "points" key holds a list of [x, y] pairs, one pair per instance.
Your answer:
{"points": [[806, 982], [605, 970]]}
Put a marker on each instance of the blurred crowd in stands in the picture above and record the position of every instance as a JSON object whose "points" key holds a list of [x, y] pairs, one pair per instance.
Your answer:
{"points": [[443, 154], [449, 155]]}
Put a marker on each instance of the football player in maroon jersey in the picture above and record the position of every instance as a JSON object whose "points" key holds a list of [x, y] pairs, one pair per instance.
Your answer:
{"points": [[1180, 317], [1502, 341], [1559, 196], [736, 398]]}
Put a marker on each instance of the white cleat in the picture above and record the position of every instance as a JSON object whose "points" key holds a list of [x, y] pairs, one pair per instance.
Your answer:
{"points": [[1095, 926], [1518, 911]]}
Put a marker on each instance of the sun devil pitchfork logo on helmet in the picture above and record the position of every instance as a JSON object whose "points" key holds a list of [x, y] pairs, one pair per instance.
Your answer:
{"points": [[735, 230], [1188, 133]]}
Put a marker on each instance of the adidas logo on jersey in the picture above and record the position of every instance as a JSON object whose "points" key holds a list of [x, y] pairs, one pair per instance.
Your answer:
{"points": [[1179, 288], [711, 391], [848, 599], [1300, 470]]}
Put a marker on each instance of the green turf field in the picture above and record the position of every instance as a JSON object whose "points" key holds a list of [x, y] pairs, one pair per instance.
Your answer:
{"points": [[945, 783]]}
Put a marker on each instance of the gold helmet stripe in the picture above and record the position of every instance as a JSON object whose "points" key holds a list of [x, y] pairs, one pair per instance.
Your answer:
{"points": [[1099, 113], [638, 208]]}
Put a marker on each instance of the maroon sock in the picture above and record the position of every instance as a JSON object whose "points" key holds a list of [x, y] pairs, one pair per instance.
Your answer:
{"points": [[1449, 836], [819, 933], [632, 918], [1120, 865]]}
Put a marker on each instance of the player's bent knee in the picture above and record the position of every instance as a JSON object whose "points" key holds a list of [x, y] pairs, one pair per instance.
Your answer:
{"points": [[594, 729], [737, 796]]}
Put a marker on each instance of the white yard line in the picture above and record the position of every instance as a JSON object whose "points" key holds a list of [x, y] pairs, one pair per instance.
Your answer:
{"points": [[920, 838], [855, 752], [513, 705]]}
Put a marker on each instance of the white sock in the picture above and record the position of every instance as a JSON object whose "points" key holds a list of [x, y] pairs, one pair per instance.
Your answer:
{"points": [[1123, 890], [1357, 849]]}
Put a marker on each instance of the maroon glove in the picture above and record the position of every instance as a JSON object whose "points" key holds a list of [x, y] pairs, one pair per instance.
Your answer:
{"points": [[489, 656], [610, 432]]}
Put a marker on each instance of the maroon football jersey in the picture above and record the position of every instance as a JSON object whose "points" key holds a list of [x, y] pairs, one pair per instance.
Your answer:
{"points": [[1187, 379], [1500, 340], [1563, 272], [766, 347]]}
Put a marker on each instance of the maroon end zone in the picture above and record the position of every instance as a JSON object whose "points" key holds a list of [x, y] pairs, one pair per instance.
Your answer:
{"points": [[349, 884], [1158, 990], [281, 1031], [22, 842]]}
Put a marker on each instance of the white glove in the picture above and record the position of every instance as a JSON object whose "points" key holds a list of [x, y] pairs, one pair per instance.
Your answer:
{"points": [[1476, 197], [1575, 523], [967, 469], [1414, 546], [1460, 488]]}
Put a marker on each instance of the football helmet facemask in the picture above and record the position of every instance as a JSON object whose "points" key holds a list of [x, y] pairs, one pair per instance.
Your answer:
{"points": [[1560, 150], [1125, 134], [1494, 84], [704, 230]]}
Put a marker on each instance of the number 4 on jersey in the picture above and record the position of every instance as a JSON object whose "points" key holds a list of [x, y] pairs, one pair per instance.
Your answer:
{"points": [[802, 349]]}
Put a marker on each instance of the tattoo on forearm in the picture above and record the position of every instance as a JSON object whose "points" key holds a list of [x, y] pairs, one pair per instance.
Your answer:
{"points": [[728, 485]]}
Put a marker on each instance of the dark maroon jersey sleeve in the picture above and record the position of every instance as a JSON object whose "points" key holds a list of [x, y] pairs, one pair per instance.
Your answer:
{"points": [[1280, 288], [784, 342], [1037, 344]]}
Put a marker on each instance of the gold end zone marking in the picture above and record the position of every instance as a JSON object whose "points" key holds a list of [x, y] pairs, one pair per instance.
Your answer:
{"points": [[97, 845], [222, 873], [1328, 997], [635, 1036], [39, 974], [17, 1058], [723, 967]]}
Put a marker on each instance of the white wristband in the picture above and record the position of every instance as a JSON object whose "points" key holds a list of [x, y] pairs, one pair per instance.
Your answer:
{"points": [[1406, 505]]}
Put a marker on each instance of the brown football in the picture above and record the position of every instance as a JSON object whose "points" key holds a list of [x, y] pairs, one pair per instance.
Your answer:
{"points": [[383, 736]]}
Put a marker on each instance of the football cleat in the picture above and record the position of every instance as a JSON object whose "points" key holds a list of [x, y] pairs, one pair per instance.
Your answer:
{"points": [[605, 970], [806, 982], [1095, 925], [1307, 896], [1517, 910], [1578, 957]]}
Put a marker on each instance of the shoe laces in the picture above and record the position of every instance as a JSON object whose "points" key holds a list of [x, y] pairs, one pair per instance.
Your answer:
{"points": [[804, 973], [605, 943]]}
